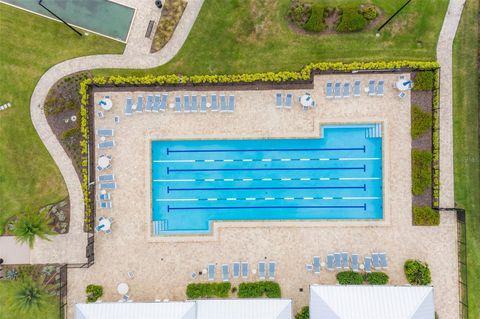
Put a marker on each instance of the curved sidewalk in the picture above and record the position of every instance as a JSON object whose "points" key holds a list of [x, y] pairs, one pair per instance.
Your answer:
{"points": [[70, 248]]}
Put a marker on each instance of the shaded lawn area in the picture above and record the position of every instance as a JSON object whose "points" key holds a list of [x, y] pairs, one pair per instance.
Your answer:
{"points": [[466, 143], [7, 290], [30, 45], [240, 36]]}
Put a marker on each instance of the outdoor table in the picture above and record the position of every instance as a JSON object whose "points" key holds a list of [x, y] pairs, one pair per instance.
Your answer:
{"points": [[403, 85], [171, 105], [209, 105], [103, 161], [122, 288], [104, 224], [306, 100], [361, 266], [106, 104]]}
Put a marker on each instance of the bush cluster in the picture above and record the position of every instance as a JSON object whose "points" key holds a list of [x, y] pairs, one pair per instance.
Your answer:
{"points": [[349, 278], [351, 20], [417, 272], [299, 13], [369, 12], [304, 313], [94, 292], [208, 290], [421, 121], [423, 81], [425, 216], [270, 289], [421, 171], [376, 278], [316, 21]]}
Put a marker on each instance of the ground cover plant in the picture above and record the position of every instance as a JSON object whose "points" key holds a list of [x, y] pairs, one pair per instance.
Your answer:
{"points": [[351, 20], [421, 171], [255, 36], [466, 143], [315, 22], [304, 313], [349, 278], [417, 272], [421, 121], [425, 216], [269, 289], [376, 278], [423, 81], [29, 178], [208, 290]]}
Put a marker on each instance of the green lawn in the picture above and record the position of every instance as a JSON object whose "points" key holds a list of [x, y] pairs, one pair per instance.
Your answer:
{"points": [[237, 36], [466, 143], [29, 45], [7, 289]]}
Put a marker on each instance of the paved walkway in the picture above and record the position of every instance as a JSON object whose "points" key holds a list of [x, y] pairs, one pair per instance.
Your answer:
{"points": [[444, 57], [70, 248]]}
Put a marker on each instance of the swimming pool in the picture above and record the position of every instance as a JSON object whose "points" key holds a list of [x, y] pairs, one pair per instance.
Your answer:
{"points": [[100, 16], [338, 176]]}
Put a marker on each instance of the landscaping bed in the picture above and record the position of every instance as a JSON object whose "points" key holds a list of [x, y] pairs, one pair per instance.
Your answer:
{"points": [[259, 289], [171, 13], [425, 149]]}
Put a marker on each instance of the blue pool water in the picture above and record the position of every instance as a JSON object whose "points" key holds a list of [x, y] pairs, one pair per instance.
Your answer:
{"points": [[338, 176]]}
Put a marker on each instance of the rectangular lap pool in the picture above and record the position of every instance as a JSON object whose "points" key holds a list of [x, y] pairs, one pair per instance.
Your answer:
{"points": [[196, 182]]}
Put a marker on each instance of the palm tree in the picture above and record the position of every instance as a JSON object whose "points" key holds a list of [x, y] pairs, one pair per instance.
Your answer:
{"points": [[30, 225], [29, 297]]}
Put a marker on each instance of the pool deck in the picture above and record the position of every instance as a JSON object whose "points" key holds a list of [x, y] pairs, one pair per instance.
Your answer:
{"points": [[162, 270]]}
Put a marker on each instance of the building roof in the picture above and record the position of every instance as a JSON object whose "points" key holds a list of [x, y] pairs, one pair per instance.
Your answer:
{"points": [[244, 309], [371, 302], [200, 309], [136, 310]]}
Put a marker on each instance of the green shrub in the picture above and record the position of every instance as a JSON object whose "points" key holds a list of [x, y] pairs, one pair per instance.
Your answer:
{"points": [[94, 292], [208, 290], [316, 23], [421, 121], [423, 81], [425, 216], [304, 313], [376, 278], [349, 278], [270, 289], [369, 12], [421, 171], [351, 20], [299, 13], [417, 272]]}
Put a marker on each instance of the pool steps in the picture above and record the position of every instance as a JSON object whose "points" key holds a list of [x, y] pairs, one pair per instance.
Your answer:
{"points": [[374, 132]]}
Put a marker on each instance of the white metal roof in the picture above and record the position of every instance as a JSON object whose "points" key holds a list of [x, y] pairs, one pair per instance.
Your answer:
{"points": [[244, 309], [371, 302], [136, 310]]}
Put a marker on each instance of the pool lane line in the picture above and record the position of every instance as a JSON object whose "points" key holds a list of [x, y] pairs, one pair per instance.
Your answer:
{"points": [[263, 180], [267, 150], [269, 160], [170, 189], [265, 198], [264, 169], [364, 207]]}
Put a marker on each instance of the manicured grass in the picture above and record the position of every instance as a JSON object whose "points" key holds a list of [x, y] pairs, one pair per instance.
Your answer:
{"points": [[421, 121], [466, 143], [30, 45], [7, 290], [421, 171], [233, 36]]}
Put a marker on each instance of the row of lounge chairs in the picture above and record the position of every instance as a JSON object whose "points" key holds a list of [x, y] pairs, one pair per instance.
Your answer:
{"points": [[242, 268], [280, 101], [342, 260], [105, 200], [339, 90], [106, 133], [189, 104]]}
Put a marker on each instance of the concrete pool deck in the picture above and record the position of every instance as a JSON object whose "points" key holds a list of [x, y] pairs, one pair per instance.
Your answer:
{"points": [[162, 270]]}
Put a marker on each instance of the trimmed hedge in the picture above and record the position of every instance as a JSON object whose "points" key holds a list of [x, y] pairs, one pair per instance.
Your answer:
{"points": [[316, 21], [376, 278], [304, 313], [423, 81], [208, 290], [351, 20], [270, 289], [421, 121], [421, 171], [425, 216], [417, 272], [349, 278], [304, 74], [93, 293]]}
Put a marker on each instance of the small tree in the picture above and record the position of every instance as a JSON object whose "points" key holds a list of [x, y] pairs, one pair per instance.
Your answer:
{"points": [[32, 225], [29, 297], [417, 272]]}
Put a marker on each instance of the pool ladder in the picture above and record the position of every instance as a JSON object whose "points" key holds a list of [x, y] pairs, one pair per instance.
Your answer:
{"points": [[159, 226], [374, 132]]}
